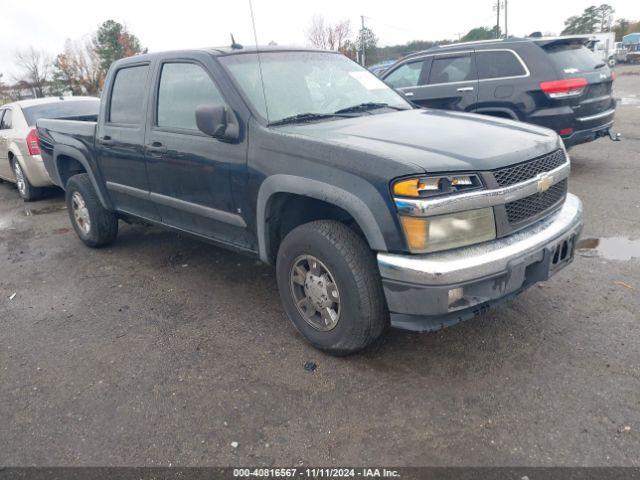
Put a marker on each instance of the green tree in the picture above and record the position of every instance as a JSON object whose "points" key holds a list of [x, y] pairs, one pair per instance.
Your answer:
{"points": [[113, 42], [77, 69], [593, 19], [480, 33], [367, 38], [623, 27]]}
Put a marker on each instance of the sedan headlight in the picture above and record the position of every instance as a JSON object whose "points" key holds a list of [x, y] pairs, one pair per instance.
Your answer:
{"points": [[443, 232]]}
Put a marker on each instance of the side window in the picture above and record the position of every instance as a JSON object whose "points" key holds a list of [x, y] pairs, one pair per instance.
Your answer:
{"points": [[451, 69], [127, 95], [7, 120], [498, 64], [1, 114], [184, 87], [408, 75]]}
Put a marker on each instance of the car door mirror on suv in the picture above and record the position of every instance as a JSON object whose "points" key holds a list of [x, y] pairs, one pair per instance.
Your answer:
{"points": [[218, 122]]}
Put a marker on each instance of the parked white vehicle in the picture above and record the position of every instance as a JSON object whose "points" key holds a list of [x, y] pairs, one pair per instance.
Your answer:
{"points": [[621, 53], [20, 160]]}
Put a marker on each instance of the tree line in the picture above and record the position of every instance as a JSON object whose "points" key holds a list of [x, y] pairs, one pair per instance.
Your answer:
{"points": [[340, 36], [80, 69]]}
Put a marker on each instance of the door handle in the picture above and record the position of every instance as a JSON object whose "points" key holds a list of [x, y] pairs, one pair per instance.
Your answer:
{"points": [[465, 89], [408, 94], [106, 140], [156, 147]]}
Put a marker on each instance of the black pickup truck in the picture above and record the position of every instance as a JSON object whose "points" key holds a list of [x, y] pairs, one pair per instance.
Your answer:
{"points": [[375, 213]]}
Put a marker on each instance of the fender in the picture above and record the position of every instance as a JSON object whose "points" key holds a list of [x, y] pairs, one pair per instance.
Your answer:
{"points": [[77, 155], [282, 183]]}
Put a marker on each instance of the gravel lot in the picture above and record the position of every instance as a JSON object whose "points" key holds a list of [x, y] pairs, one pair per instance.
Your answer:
{"points": [[161, 350]]}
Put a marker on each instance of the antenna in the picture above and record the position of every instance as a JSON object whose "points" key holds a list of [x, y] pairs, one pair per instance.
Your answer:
{"points": [[255, 36], [234, 45]]}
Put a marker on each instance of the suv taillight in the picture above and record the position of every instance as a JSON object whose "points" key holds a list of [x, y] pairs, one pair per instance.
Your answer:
{"points": [[569, 87], [33, 142]]}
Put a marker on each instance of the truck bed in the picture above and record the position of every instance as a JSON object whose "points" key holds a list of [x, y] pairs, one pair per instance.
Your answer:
{"points": [[56, 135], [81, 128]]}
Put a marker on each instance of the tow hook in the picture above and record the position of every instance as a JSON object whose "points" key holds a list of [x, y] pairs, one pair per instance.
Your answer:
{"points": [[615, 137]]}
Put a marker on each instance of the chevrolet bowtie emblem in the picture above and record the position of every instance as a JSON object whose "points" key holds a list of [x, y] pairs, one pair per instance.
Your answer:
{"points": [[544, 182]]}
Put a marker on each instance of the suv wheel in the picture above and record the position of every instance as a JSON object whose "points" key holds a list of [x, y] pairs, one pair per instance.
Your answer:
{"points": [[27, 191], [95, 225], [330, 287]]}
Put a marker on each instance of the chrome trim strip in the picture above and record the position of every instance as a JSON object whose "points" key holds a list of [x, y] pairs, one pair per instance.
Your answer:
{"points": [[435, 54], [606, 113], [466, 264], [479, 198]]}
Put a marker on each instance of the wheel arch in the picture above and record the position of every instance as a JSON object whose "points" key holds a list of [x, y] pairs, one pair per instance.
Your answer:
{"points": [[500, 112], [69, 161], [340, 200]]}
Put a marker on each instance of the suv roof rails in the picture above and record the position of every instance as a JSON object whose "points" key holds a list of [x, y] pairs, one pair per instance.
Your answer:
{"points": [[462, 44]]}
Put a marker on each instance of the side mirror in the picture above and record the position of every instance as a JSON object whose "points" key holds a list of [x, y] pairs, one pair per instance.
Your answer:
{"points": [[218, 122]]}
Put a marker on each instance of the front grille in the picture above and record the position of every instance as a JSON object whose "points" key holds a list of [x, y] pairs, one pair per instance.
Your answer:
{"points": [[533, 205], [527, 170]]}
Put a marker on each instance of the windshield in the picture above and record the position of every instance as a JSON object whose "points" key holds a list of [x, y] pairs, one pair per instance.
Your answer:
{"points": [[61, 109], [300, 83], [572, 58]]}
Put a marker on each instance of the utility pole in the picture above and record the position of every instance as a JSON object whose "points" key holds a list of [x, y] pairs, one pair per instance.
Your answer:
{"points": [[506, 27], [498, 19], [362, 40]]}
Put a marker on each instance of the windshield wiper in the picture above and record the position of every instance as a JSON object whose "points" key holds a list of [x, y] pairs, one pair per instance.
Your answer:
{"points": [[303, 117], [363, 107], [600, 65]]}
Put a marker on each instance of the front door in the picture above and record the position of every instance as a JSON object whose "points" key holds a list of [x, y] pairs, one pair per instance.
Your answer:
{"points": [[409, 78], [452, 83], [6, 128], [188, 171], [120, 141]]}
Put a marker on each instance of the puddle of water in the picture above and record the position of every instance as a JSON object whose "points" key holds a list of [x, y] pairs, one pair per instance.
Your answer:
{"points": [[41, 211], [614, 248]]}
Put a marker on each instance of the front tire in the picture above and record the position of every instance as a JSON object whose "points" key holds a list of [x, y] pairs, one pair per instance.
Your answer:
{"points": [[95, 225], [27, 192], [330, 287]]}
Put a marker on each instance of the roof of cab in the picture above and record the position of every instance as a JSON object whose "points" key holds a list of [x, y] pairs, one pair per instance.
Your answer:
{"points": [[222, 51]]}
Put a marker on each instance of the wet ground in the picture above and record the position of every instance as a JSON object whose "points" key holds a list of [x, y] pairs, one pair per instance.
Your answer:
{"points": [[161, 350]]}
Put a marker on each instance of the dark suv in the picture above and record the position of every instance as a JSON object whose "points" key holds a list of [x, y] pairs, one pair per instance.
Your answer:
{"points": [[556, 83]]}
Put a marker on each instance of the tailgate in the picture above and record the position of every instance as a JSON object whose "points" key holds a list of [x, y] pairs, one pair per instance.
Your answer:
{"points": [[572, 59]]}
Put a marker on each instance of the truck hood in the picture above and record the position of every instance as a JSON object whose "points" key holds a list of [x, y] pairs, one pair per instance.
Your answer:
{"points": [[436, 140]]}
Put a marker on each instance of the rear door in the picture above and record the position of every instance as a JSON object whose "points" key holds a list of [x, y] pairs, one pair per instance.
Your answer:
{"points": [[120, 141], [502, 76], [6, 128], [189, 171], [452, 84], [595, 105]]}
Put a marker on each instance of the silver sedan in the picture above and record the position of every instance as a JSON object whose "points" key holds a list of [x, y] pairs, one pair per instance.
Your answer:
{"points": [[20, 160]]}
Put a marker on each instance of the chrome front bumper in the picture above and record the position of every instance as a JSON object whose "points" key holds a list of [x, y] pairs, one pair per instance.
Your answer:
{"points": [[487, 272]]}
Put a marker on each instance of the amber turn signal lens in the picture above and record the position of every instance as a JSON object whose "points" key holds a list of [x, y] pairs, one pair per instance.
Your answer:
{"points": [[416, 230], [407, 188]]}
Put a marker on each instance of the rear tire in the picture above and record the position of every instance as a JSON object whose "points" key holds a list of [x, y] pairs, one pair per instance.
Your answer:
{"points": [[27, 192], [337, 303], [95, 225]]}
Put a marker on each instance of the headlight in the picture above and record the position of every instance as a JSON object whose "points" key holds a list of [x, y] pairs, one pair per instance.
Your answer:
{"points": [[443, 232], [434, 186]]}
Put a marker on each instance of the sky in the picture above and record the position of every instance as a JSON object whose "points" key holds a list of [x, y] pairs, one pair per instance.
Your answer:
{"points": [[46, 24]]}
